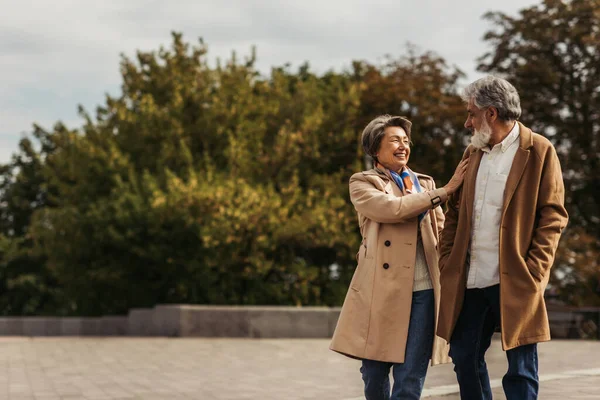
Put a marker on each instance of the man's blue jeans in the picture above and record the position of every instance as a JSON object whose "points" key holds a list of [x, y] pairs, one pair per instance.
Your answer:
{"points": [[409, 376], [471, 338]]}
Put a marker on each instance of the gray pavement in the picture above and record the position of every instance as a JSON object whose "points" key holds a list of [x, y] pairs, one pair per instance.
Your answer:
{"points": [[201, 368]]}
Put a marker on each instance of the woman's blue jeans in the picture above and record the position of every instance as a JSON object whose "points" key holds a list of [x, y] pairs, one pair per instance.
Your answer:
{"points": [[409, 376]]}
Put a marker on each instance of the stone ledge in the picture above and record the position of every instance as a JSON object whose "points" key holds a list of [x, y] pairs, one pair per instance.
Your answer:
{"points": [[183, 320]]}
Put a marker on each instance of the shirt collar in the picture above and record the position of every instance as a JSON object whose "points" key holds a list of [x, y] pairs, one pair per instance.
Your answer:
{"points": [[508, 140]]}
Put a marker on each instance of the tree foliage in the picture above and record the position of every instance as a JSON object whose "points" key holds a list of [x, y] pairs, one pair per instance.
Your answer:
{"points": [[208, 185], [423, 88], [219, 185]]}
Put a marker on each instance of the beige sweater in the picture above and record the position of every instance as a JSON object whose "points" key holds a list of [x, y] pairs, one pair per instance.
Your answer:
{"points": [[422, 279]]}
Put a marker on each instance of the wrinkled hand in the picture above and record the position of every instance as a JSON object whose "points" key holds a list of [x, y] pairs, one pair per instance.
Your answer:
{"points": [[457, 179]]}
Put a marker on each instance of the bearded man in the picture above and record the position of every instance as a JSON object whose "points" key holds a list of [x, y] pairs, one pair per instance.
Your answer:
{"points": [[498, 244]]}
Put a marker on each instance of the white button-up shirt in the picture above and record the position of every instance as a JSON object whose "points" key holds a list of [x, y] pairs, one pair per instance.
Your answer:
{"points": [[484, 251]]}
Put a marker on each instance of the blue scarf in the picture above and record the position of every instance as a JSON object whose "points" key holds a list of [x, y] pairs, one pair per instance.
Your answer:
{"points": [[407, 173]]}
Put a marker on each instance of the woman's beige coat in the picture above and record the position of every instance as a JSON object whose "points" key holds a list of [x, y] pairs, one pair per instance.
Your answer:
{"points": [[373, 323]]}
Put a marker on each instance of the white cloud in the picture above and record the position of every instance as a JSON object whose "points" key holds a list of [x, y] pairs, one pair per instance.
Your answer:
{"points": [[56, 55]]}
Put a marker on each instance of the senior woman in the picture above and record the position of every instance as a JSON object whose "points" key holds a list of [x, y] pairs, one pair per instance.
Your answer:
{"points": [[389, 316]]}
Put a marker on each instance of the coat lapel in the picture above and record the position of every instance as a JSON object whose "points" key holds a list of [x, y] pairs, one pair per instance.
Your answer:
{"points": [[425, 186], [469, 182], [516, 171], [389, 186], [518, 165]]}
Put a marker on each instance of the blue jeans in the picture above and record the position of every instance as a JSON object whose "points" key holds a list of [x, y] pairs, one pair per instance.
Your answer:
{"points": [[409, 376], [472, 335]]}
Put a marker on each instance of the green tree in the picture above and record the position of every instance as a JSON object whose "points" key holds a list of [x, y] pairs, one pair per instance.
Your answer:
{"points": [[213, 185], [26, 286], [205, 186], [423, 88]]}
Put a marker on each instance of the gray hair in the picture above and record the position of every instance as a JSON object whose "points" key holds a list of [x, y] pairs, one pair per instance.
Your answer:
{"points": [[492, 91], [375, 131]]}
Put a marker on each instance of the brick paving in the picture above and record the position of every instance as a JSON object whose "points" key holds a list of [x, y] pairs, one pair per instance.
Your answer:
{"points": [[263, 369], [584, 388]]}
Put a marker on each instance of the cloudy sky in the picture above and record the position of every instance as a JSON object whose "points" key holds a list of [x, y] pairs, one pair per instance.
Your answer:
{"points": [[56, 54]]}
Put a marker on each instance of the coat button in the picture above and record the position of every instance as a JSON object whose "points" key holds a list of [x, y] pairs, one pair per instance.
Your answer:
{"points": [[387, 243], [386, 266]]}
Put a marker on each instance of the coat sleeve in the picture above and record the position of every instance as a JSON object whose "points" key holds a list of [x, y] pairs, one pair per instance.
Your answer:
{"points": [[449, 232], [551, 218], [440, 218], [450, 223], [382, 207], [438, 214]]}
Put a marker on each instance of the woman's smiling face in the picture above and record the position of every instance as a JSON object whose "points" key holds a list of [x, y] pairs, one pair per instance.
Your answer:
{"points": [[394, 149]]}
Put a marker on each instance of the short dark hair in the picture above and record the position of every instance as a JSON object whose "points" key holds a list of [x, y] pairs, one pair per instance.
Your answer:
{"points": [[375, 131]]}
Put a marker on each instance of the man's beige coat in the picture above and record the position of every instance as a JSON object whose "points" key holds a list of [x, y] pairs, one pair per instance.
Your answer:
{"points": [[532, 220], [373, 323]]}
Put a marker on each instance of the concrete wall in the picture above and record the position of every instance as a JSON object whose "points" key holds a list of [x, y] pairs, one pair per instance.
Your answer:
{"points": [[243, 321], [63, 326], [575, 323], [185, 320], [258, 322]]}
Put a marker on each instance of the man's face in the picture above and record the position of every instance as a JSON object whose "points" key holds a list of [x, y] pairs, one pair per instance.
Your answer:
{"points": [[394, 149], [478, 125]]}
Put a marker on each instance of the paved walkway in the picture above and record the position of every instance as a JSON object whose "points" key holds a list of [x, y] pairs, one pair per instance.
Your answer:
{"points": [[581, 384], [185, 368]]}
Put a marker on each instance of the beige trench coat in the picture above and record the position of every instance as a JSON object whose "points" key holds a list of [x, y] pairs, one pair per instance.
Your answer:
{"points": [[373, 323], [532, 220]]}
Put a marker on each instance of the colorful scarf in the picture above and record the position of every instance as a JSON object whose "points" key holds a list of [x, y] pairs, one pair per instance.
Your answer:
{"points": [[407, 182]]}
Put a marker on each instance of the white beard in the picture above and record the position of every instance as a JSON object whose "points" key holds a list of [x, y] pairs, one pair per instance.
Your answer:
{"points": [[481, 137]]}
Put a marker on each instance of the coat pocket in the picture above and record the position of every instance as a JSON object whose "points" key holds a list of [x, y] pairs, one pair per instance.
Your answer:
{"points": [[537, 282], [361, 268], [524, 278], [367, 251], [359, 276]]}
